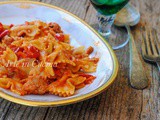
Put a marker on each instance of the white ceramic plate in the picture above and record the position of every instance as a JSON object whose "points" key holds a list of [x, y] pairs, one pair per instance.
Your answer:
{"points": [[81, 35]]}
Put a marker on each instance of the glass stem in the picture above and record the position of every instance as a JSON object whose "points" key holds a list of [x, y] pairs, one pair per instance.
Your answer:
{"points": [[105, 23]]}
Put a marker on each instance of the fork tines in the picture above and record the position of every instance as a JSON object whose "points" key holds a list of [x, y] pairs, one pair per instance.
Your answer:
{"points": [[150, 43]]}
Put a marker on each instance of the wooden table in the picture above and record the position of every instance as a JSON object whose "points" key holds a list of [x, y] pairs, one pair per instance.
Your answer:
{"points": [[120, 101]]}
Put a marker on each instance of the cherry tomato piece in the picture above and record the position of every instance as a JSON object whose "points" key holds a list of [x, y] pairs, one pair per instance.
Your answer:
{"points": [[4, 33], [20, 54], [26, 23], [14, 48], [1, 27], [18, 51], [11, 25], [60, 37], [32, 52]]}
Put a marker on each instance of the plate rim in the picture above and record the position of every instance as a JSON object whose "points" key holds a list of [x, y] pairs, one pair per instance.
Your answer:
{"points": [[70, 100]]}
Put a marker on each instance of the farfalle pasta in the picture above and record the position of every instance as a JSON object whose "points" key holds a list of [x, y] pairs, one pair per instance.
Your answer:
{"points": [[36, 58]]}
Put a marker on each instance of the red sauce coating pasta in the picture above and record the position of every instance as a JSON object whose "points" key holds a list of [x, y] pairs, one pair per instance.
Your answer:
{"points": [[36, 58]]}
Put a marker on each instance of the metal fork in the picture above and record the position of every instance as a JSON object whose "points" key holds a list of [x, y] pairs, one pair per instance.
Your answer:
{"points": [[151, 47]]}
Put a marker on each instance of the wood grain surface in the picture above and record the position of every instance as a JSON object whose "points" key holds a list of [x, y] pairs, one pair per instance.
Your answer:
{"points": [[120, 101]]}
